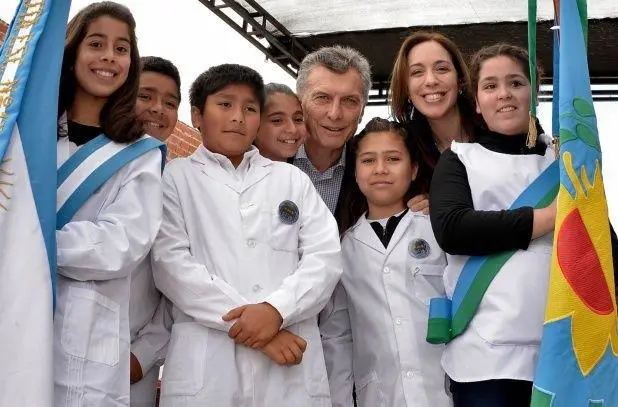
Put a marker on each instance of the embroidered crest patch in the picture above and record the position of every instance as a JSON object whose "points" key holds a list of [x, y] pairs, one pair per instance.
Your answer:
{"points": [[288, 212], [419, 248]]}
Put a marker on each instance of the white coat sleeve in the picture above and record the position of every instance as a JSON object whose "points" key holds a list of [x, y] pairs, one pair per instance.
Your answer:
{"points": [[304, 293], [180, 276], [150, 346], [120, 237], [336, 332]]}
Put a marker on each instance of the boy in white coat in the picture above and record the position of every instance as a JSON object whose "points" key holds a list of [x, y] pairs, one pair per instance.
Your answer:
{"points": [[150, 312], [248, 253]]}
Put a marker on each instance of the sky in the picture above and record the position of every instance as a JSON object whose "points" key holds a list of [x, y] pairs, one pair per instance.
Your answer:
{"points": [[195, 39]]}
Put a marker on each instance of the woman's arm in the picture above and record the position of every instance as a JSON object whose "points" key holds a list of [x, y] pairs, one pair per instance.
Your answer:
{"points": [[460, 229]]}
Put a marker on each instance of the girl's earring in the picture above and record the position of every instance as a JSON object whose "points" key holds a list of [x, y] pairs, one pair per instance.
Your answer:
{"points": [[412, 112]]}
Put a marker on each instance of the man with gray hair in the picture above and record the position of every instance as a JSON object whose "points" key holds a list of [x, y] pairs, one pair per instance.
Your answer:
{"points": [[333, 86]]}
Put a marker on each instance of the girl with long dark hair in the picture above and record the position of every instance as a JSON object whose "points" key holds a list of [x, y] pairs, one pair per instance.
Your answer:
{"points": [[109, 199]]}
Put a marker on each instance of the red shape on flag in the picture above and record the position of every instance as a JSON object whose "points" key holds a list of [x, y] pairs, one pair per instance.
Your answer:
{"points": [[581, 266]]}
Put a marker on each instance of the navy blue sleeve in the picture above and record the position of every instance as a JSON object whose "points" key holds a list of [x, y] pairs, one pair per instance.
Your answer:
{"points": [[461, 229]]}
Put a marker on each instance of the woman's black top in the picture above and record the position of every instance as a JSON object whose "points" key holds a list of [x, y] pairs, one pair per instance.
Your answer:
{"points": [[459, 228]]}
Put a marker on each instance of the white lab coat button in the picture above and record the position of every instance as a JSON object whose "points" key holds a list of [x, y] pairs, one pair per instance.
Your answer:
{"points": [[409, 374], [251, 243], [257, 288], [386, 270], [398, 321]]}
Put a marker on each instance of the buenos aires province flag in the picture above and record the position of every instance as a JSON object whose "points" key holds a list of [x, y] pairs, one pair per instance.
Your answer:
{"points": [[578, 362]]}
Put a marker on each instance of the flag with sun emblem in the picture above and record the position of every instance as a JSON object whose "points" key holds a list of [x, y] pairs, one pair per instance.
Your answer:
{"points": [[30, 61], [578, 363]]}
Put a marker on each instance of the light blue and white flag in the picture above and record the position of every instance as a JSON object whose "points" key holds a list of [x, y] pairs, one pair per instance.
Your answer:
{"points": [[30, 61]]}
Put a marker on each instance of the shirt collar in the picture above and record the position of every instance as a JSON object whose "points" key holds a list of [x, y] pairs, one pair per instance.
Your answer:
{"points": [[204, 155], [301, 154]]}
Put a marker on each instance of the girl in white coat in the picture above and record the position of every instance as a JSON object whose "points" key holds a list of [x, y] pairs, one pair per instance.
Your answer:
{"points": [[105, 235], [375, 325], [248, 253]]}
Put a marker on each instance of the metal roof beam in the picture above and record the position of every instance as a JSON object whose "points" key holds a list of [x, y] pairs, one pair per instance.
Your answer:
{"points": [[604, 89], [284, 50]]}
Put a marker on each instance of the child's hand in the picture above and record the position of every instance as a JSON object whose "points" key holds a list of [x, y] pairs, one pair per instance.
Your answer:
{"points": [[419, 203], [256, 325], [285, 348]]}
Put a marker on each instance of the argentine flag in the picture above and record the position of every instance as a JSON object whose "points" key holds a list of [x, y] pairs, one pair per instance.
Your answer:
{"points": [[30, 61]]}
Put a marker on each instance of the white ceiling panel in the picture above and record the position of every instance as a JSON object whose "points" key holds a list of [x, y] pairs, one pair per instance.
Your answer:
{"points": [[310, 17]]}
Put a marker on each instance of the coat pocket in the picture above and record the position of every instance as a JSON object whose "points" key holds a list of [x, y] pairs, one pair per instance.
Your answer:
{"points": [[283, 255], [284, 237], [314, 367], [368, 391], [183, 373], [91, 327], [428, 281]]}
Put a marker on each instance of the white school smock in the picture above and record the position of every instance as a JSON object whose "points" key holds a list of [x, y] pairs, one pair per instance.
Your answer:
{"points": [[502, 340], [223, 244], [150, 320], [97, 251], [383, 301]]}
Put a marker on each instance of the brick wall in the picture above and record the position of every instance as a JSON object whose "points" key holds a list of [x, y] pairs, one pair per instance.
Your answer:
{"points": [[3, 29], [183, 141]]}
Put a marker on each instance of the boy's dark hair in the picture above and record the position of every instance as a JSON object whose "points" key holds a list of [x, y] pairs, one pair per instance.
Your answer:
{"points": [[117, 118], [220, 76], [161, 66], [354, 203]]}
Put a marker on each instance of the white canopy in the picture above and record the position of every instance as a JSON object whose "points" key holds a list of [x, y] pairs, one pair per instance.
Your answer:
{"points": [[312, 17]]}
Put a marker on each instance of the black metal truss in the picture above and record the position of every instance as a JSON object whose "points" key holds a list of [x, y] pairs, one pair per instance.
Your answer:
{"points": [[283, 49], [603, 90]]}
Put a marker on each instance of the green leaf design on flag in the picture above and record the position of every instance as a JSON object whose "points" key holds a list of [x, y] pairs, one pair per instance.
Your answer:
{"points": [[587, 135], [583, 108], [566, 135], [540, 398]]}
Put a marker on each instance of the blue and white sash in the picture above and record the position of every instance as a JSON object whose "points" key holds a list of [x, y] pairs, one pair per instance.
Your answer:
{"points": [[90, 167]]}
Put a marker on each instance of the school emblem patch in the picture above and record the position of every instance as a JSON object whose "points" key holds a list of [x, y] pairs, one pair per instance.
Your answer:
{"points": [[288, 212], [419, 248]]}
